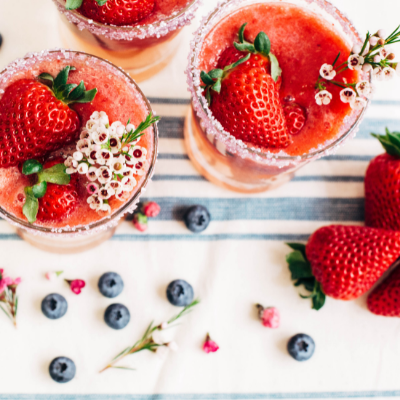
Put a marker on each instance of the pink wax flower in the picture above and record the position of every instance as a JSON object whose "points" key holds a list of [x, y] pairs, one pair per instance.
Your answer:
{"points": [[8, 296], [151, 209], [3, 286], [76, 285], [140, 222], [270, 316], [17, 281], [210, 346]]}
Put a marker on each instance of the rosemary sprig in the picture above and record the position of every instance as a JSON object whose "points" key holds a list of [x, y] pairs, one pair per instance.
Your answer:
{"points": [[139, 131], [147, 342]]}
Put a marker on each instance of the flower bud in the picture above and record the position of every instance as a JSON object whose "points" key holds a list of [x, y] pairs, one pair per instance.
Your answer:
{"points": [[381, 42], [391, 56], [367, 67], [382, 33], [373, 41], [209, 345], [377, 59], [356, 49]]}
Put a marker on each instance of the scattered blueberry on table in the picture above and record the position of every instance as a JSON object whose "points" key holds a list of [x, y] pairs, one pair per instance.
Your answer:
{"points": [[180, 293], [117, 316], [54, 306], [111, 284], [62, 369], [301, 347], [1, 40], [197, 218]]}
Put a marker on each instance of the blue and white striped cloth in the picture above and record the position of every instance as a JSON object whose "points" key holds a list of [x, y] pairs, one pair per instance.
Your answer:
{"points": [[237, 262]]}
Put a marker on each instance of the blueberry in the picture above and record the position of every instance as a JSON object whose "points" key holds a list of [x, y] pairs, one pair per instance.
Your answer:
{"points": [[117, 316], [180, 293], [301, 347], [197, 218], [54, 306], [111, 284], [62, 369], [1, 40]]}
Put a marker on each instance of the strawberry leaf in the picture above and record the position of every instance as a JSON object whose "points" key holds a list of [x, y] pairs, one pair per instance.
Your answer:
{"points": [[216, 73], [245, 47], [69, 93], [318, 300], [206, 78], [73, 4], [77, 92], [390, 142], [62, 77], [101, 2], [299, 247], [39, 190], [31, 206], [87, 97], [276, 71], [217, 86], [31, 167], [262, 44], [241, 32], [234, 65], [301, 273], [55, 174], [46, 76]]}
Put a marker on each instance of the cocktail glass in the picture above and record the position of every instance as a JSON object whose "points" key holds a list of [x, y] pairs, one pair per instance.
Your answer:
{"points": [[231, 163], [141, 50], [79, 237]]}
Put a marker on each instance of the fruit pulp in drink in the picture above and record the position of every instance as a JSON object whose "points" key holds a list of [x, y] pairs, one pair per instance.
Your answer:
{"points": [[302, 42]]}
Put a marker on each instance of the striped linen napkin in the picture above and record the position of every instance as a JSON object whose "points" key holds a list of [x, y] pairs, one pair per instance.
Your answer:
{"points": [[237, 262]]}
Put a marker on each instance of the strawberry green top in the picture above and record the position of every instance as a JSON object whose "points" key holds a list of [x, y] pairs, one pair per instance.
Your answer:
{"points": [[302, 41], [117, 96]]}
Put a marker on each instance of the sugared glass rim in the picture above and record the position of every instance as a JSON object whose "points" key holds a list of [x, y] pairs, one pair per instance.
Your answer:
{"points": [[128, 207], [215, 129], [157, 29]]}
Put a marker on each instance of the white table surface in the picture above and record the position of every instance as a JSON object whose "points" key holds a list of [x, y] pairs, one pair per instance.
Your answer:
{"points": [[238, 261]]}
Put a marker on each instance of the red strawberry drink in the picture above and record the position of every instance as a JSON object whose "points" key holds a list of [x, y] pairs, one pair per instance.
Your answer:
{"points": [[255, 117], [77, 146], [141, 36]]}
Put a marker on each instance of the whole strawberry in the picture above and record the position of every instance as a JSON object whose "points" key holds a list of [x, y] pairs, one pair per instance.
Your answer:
{"points": [[342, 262], [55, 195], [113, 12], [243, 93], [385, 299], [35, 119], [382, 185]]}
